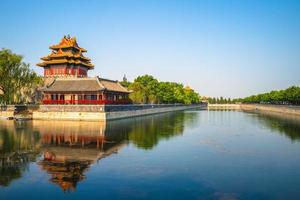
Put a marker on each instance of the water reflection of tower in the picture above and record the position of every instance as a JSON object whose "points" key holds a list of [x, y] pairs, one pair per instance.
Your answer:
{"points": [[69, 148]]}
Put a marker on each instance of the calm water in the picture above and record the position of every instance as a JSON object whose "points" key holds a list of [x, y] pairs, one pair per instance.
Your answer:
{"points": [[183, 155]]}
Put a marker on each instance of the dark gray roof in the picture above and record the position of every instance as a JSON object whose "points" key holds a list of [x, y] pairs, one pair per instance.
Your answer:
{"points": [[112, 85], [84, 85]]}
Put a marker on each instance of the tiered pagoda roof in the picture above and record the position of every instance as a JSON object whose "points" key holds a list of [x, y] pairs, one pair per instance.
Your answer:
{"points": [[66, 52]]}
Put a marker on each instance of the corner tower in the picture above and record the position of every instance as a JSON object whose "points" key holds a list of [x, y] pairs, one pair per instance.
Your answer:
{"points": [[66, 60]]}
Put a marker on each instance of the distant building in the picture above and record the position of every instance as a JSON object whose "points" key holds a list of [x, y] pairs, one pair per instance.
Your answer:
{"points": [[67, 81], [124, 78]]}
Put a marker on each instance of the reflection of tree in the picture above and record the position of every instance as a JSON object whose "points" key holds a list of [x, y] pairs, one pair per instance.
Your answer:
{"points": [[17, 136], [287, 125], [13, 165], [147, 131], [18, 147]]}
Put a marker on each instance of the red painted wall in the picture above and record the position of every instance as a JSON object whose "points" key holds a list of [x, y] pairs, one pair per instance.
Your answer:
{"points": [[63, 70]]}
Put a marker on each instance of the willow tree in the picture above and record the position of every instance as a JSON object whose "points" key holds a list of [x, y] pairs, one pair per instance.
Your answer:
{"points": [[17, 80]]}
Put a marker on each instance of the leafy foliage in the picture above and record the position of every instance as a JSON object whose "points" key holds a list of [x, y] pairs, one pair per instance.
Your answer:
{"points": [[221, 100], [147, 89], [17, 80], [290, 95]]}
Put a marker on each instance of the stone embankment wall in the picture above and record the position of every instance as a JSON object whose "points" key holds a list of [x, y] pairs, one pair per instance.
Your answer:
{"points": [[7, 111], [17, 111], [105, 112], [58, 115], [148, 111], [102, 108], [284, 109], [72, 108], [223, 106], [6, 114]]}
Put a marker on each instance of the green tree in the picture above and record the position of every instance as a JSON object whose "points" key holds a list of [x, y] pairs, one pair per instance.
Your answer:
{"points": [[144, 89], [125, 84], [147, 89], [214, 100], [166, 92], [290, 95], [16, 78], [190, 96], [221, 100]]}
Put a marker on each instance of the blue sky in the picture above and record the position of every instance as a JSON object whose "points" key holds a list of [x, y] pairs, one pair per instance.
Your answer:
{"points": [[218, 47]]}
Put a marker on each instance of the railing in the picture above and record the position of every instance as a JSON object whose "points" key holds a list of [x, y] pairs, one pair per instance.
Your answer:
{"points": [[95, 102]]}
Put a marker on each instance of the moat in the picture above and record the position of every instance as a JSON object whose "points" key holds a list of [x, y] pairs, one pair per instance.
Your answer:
{"points": [[192, 154]]}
